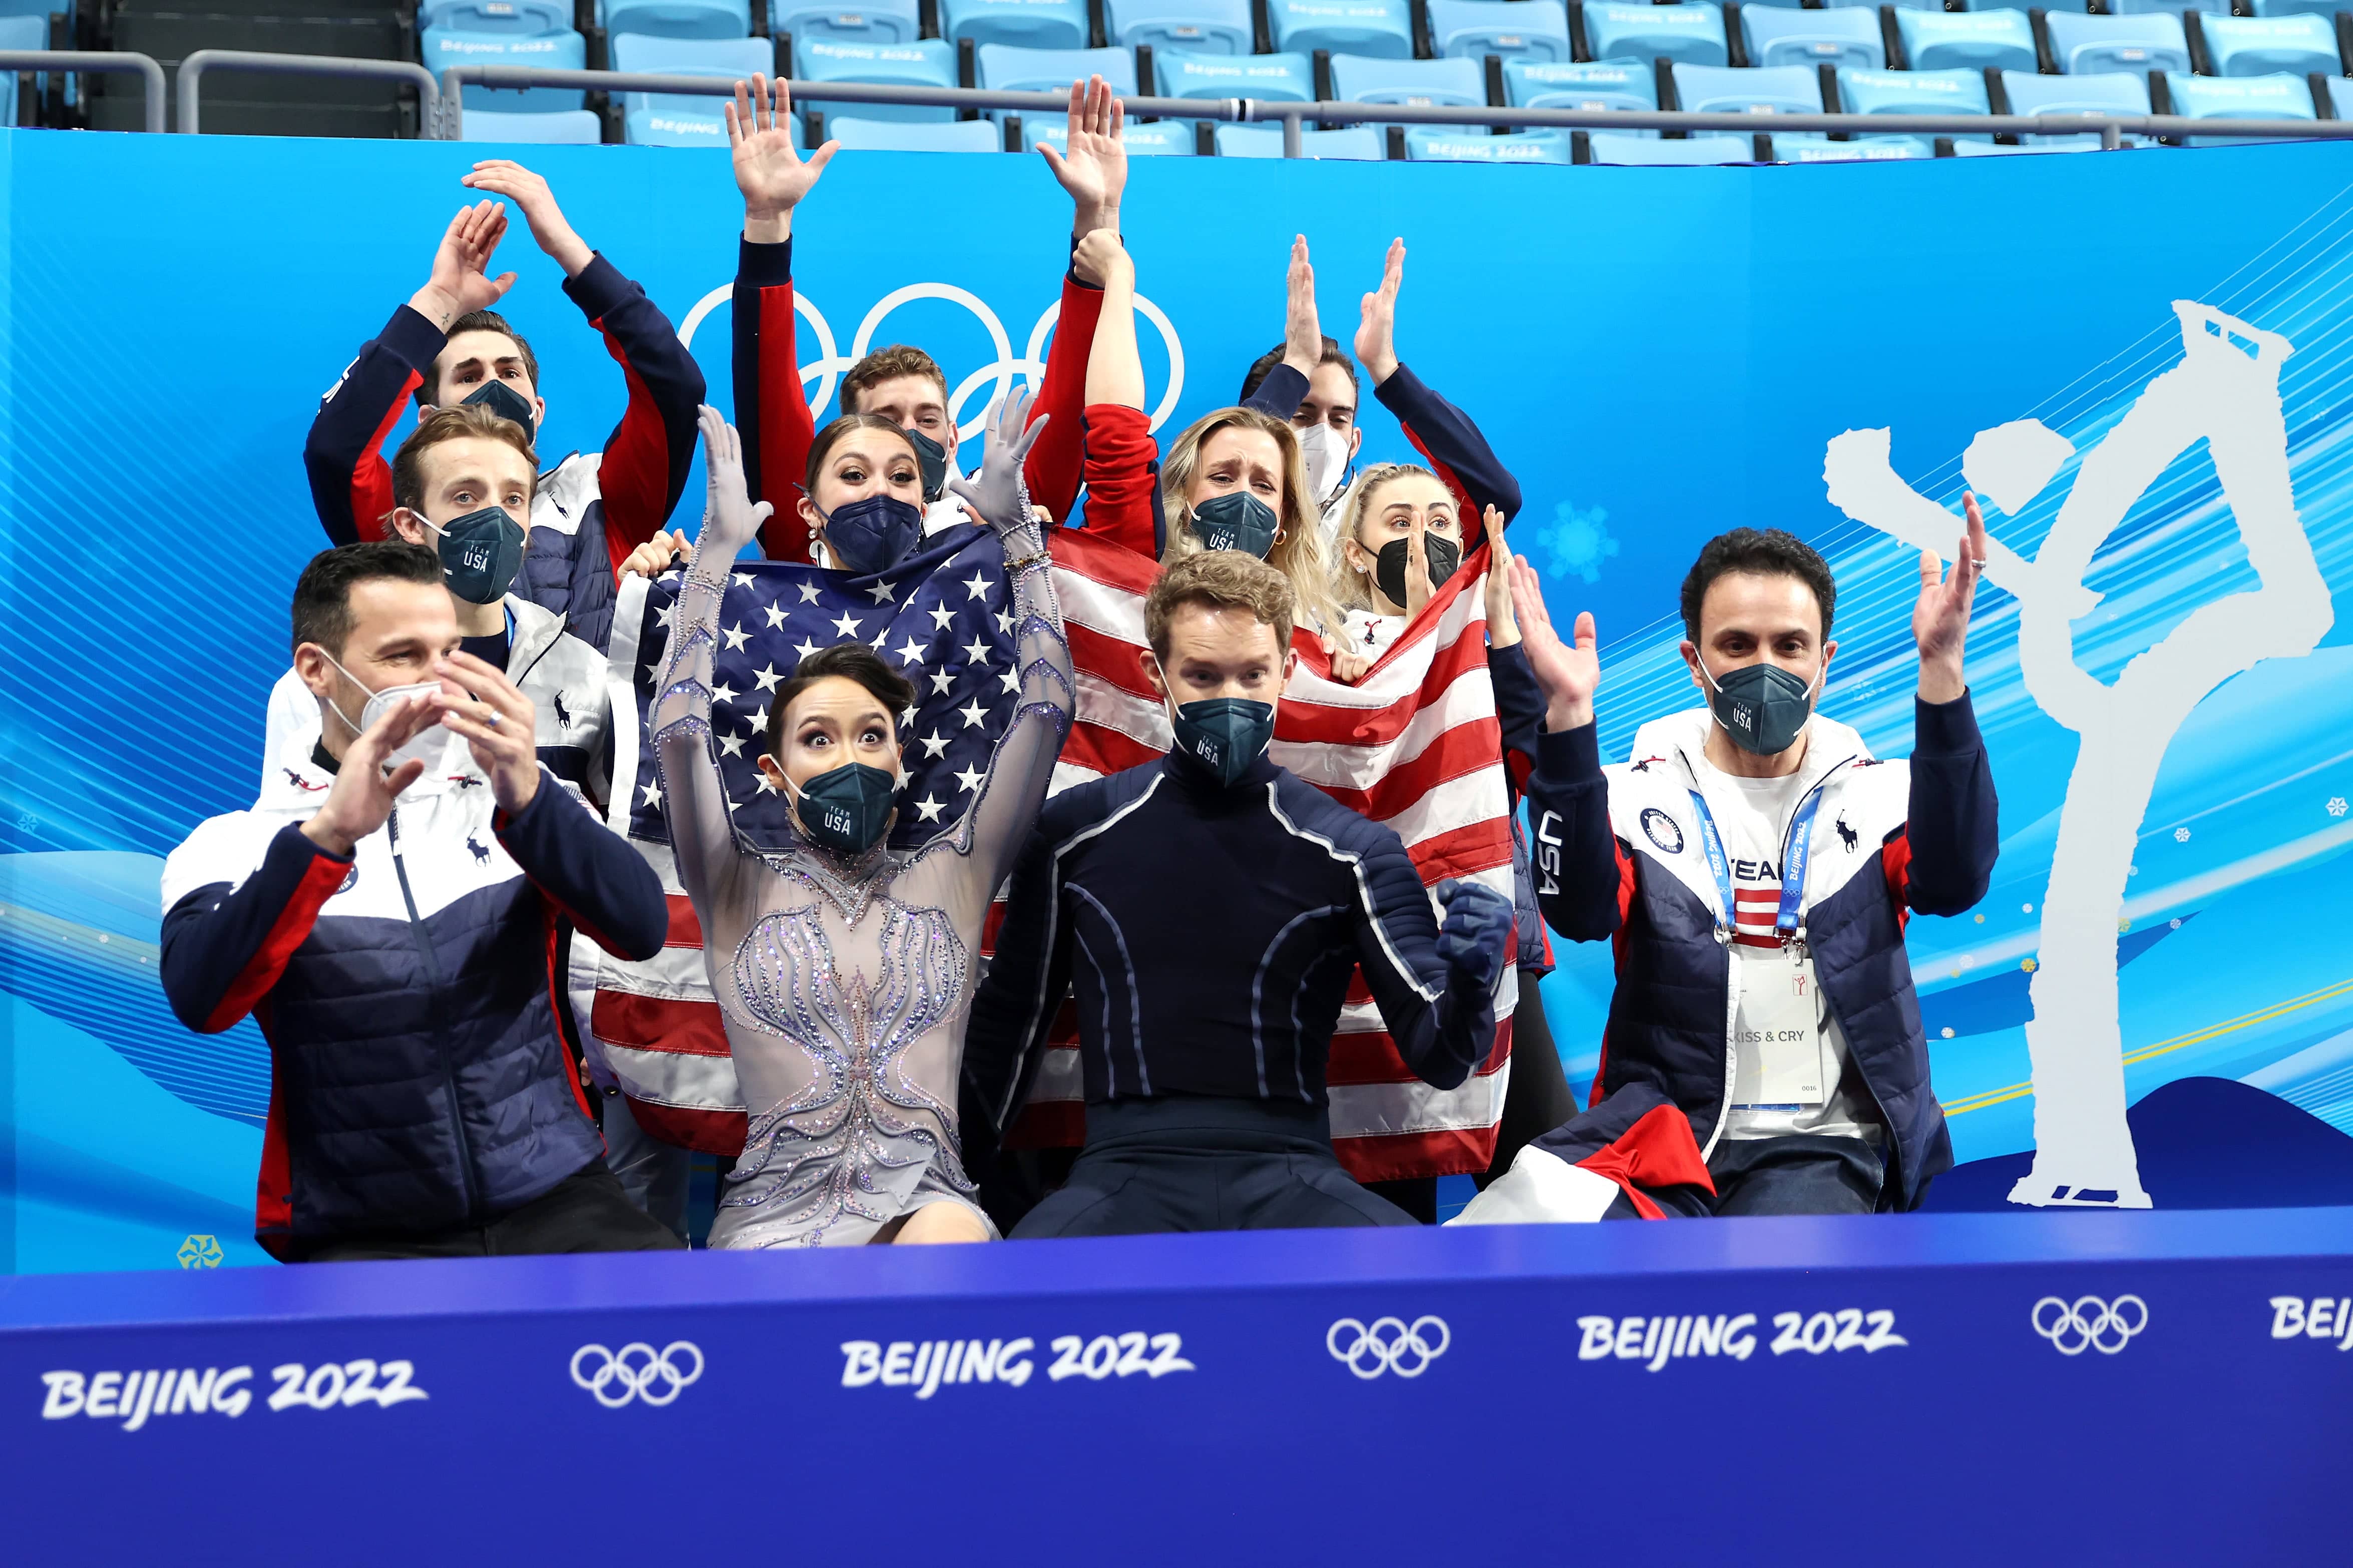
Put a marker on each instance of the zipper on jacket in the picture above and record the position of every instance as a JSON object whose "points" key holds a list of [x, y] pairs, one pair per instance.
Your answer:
{"points": [[433, 980]]}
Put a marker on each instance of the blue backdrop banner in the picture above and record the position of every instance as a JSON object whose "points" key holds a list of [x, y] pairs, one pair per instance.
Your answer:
{"points": [[2138, 360]]}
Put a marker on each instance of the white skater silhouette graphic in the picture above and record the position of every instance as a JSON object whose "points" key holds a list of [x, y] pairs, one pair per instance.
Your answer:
{"points": [[2225, 391]]}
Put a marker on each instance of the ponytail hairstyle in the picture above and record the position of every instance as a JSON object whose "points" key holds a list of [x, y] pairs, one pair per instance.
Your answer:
{"points": [[1298, 553]]}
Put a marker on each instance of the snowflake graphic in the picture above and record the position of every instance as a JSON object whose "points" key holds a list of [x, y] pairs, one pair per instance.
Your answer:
{"points": [[2181, 835], [200, 1252], [1576, 542], [2337, 806]]}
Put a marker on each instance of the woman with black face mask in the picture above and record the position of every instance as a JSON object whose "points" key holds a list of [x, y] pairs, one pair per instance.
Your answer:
{"points": [[844, 968], [1400, 542]]}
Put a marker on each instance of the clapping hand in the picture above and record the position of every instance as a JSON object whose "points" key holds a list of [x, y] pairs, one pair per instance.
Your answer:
{"points": [[364, 793], [505, 177], [1302, 334], [460, 282], [496, 721], [1377, 330], [1568, 672], [1940, 621], [998, 496]]}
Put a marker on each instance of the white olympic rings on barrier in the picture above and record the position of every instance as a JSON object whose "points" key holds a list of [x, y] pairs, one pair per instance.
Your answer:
{"points": [[826, 369], [2072, 1326], [1387, 1346], [637, 1371]]}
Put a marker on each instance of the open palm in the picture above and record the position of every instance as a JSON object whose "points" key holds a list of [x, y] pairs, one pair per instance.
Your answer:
{"points": [[769, 170]]}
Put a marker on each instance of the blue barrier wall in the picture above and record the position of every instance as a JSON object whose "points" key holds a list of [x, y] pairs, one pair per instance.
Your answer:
{"points": [[1659, 354]]}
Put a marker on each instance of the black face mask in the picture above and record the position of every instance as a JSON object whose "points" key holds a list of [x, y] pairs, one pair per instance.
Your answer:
{"points": [[1389, 565], [933, 459], [508, 404]]}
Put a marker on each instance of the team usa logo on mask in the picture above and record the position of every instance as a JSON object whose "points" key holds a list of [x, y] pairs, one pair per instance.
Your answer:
{"points": [[1236, 521], [1662, 831]]}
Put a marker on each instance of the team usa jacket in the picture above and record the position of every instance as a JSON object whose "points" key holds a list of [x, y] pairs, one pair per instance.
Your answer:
{"points": [[1210, 935], [418, 1077], [591, 510], [1618, 855]]}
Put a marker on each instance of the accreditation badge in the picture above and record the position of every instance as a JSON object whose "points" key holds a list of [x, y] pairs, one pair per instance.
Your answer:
{"points": [[1778, 1056]]}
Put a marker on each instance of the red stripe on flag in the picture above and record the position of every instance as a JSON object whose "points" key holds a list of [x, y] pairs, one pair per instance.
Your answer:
{"points": [[1468, 748], [1462, 851], [704, 1132], [1103, 750], [1398, 1157], [658, 1023], [685, 930], [1109, 659]]}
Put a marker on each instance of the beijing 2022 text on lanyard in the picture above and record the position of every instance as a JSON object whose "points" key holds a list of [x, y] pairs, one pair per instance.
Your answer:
{"points": [[1787, 921]]}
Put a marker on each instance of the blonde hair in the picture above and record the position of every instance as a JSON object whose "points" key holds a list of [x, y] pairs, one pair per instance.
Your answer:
{"points": [[1298, 552], [1226, 579], [1352, 589]]}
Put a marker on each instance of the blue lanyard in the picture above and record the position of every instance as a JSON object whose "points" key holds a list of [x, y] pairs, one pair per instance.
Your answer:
{"points": [[1785, 922]]}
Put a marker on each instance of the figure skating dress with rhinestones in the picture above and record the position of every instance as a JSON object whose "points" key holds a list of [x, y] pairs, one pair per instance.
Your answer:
{"points": [[846, 982]]}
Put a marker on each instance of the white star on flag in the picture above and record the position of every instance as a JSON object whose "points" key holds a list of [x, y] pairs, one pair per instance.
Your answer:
{"points": [[805, 648], [968, 779], [767, 678], [756, 723], [652, 794], [911, 651], [977, 651], [933, 744], [767, 784], [941, 680], [881, 592], [743, 578], [942, 616], [928, 809], [975, 585], [809, 593], [1012, 679], [662, 619], [776, 613], [846, 623], [736, 636], [974, 714], [1004, 620], [723, 692], [730, 745]]}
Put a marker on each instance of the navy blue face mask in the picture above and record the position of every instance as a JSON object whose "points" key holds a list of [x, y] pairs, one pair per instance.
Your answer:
{"points": [[480, 553], [846, 809], [508, 404], [933, 459], [1224, 734], [873, 533], [1761, 705], [1235, 520]]}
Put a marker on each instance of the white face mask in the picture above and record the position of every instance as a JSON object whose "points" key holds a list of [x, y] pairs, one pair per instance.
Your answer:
{"points": [[1325, 451], [429, 745]]}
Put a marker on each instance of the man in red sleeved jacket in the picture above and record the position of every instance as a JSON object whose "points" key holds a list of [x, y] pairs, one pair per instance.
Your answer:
{"points": [[447, 346]]}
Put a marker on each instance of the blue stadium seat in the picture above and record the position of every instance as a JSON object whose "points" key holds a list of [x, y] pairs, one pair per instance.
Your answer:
{"points": [[1806, 147], [908, 136], [927, 62], [2147, 8], [2282, 96], [2092, 46], [1612, 147], [1357, 143], [524, 17], [2298, 7], [1025, 24], [850, 21], [1203, 26], [1785, 36], [2259, 45], [1594, 84], [1989, 150], [1427, 144], [1284, 78], [566, 50], [1159, 138], [1009, 69], [571, 127], [684, 119], [1453, 83], [1966, 40], [1764, 89], [1377, 30], [1514, 29], [2107, 93], [19, 33], [1913, 92], [679, 18], [1678, 32]]}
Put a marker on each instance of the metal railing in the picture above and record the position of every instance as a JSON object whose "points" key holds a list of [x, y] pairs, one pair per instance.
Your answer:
{"points": [[68, 62], [193, 69], [2111, 128]]}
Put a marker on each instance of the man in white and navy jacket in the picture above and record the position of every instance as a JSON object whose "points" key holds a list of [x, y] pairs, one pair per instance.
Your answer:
{"points": [[1755, 865], [391, 911]]}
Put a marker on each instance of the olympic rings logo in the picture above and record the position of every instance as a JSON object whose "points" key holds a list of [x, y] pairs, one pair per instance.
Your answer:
{"points": [[1388, 1345], [2072, 1326], [826, 369], [636, 1370]]}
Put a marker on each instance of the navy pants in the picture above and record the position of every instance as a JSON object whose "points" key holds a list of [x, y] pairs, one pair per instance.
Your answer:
{"points": [[1799, 1175], [1183, 1163]]}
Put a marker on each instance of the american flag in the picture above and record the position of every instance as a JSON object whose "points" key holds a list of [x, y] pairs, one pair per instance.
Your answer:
{"points": [[1415, 743]]}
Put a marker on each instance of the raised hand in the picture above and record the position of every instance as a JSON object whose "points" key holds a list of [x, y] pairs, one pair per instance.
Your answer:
{"points": [[1570, 673], [769, 170], [505, 177], [1416, 571], [996, 494], [497, 723], [1940, 621], [657, 555], [1094, 168], [363, 792], [1302, 334], [1475, 932], [1502, 623], [1376, 329], [730, 517], [459, 284]]}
